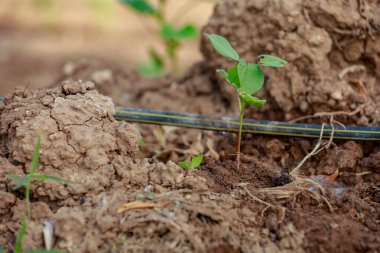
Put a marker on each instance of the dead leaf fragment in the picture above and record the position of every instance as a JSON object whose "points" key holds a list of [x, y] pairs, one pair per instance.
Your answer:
{"points": [[332, 177]]}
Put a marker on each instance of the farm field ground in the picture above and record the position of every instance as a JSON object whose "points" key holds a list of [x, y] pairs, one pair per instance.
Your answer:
{"points": [[130, 195]]}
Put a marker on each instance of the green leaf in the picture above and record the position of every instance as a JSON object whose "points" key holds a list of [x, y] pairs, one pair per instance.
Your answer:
{"points": [[20, 236], [234, 77], [36, 156], [255, 78], [153, 68], [254, 101], [1, 249], [150, 196], [168, 32], [251, 77], [183, 165], [222, 46], [188, 32], [52, 178], [21, 181], [15, 178], [141, 6], [171, 33], [196, 161], [271, 61], [242, 69]]}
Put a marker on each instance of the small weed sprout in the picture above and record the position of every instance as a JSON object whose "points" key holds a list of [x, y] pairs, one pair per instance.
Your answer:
{"points": [[170, 35], [191, 163], [26, 182], [246, 78]]}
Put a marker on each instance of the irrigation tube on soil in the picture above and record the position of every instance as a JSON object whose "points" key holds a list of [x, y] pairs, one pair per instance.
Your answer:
{"points": [[249, 126]]}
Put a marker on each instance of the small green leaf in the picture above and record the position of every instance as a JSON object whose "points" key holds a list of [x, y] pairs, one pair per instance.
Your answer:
{"points": [[36, 156], [255, 78], [171, 33], [20, 236], [226, 76], [141, 6], [168, 32], [271, 61], [51, 178], [15, 178], [21, 181], [196, 161], [183, 165], [250, 76], [254, 101], [242, 69], [188, 32], [222, 46], [150, 196], [233, 76]]}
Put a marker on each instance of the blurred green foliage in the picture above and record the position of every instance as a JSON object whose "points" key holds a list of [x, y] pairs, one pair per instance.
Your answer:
{"points": [[170, 35]]}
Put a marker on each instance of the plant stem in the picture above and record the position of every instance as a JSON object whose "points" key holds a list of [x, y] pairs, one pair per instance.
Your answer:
{"points": [[27, 197], [242, 109]]}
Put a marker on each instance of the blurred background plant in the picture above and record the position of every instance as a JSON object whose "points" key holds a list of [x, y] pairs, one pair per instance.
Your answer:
{"points": [[38, 37], [169, 32]]}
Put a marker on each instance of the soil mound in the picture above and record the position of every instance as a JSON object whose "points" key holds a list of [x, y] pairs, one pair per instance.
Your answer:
{"points": [[80, 139]]}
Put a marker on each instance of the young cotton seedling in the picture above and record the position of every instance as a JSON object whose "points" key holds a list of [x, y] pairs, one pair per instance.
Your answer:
{"points": [[190, 164], [246, 78], [26, 182]]}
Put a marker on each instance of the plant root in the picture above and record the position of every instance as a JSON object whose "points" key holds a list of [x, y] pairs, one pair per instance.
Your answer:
{"points": [[281, 209], [300, 186], [330, 114]]}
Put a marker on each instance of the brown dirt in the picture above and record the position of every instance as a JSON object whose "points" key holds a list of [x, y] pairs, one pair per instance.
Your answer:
{"points": [[219, 208]]}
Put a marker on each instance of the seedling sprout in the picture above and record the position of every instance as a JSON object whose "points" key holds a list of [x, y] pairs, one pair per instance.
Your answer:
{"points": [[191, 163], [26, 182], [246, 78]]}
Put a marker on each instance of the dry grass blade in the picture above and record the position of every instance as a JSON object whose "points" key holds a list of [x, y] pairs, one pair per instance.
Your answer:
{"points": [[135, 205]]}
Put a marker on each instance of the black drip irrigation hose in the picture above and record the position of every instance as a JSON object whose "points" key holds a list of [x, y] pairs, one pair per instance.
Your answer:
{"points": [[227, 124], [249, 126]]}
